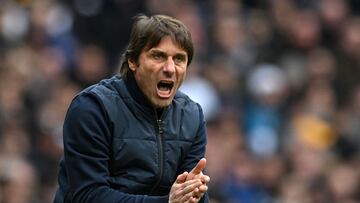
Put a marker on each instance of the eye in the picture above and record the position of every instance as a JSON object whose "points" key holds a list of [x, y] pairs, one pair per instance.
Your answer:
{"points": [[180, 59], [158, 55]]}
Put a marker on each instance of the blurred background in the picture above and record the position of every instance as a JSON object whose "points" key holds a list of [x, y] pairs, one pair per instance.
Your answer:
{"points": [[279, 82]]}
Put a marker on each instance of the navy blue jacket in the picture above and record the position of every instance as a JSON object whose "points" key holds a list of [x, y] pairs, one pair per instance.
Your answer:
{"points": [[118, 149]]}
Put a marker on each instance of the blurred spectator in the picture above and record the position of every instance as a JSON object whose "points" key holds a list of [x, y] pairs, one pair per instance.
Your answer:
{"points": [[267, 88], [90, 65], [18, 180], [333, 13], [348, 60], [343, 182], [223, 133], [202, 91], [293, 190], [229, 40], [105, 23], [243, 184]]}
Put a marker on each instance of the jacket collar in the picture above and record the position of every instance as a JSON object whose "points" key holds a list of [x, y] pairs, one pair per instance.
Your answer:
{"points": [[135, 92]]}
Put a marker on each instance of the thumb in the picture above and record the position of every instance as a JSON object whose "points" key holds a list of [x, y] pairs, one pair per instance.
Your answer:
{"points": [[200, 166], [182, 177]]}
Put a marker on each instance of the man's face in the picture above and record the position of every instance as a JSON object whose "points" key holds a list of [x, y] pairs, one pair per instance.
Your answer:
{"points": [[160, 71]]}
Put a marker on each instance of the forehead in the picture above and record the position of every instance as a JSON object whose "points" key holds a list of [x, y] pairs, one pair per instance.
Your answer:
{"points": [[168, 45]]}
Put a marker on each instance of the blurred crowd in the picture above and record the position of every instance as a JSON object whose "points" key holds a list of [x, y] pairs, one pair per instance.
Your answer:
{"points": [[279, 82]]}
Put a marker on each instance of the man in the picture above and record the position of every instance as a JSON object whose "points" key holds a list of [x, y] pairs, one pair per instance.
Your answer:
{"points": [[135, 137]]}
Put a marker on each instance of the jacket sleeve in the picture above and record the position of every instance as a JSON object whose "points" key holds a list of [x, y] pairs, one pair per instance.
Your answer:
{"points": [[197, 150], [87, 148]]}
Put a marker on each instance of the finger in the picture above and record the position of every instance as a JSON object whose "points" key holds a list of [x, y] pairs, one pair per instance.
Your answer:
{"points": [[190, 186], [194, 199], [200, 191], [182, 177], [202, 188], [205, 179], [187, 197], [190, 197], [200, 166], [190, 200]]}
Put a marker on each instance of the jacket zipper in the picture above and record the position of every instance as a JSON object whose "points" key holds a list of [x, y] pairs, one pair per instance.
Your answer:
{"points": [[160, 147]]}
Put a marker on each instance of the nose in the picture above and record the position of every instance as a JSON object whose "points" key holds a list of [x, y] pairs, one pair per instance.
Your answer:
{"points": [[169, 66]]}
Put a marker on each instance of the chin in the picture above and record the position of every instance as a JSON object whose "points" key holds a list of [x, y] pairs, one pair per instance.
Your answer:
{"points": [[162, 103]]}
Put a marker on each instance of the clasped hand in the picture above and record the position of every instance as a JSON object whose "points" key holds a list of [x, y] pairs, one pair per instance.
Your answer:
{"points": [[190, 187]]}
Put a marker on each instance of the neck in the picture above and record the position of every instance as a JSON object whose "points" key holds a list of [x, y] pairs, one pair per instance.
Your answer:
{"points": [[135, 91]]}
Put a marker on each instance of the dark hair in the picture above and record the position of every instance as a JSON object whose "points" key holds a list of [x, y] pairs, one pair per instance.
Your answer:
{"points": [[147, 32]]}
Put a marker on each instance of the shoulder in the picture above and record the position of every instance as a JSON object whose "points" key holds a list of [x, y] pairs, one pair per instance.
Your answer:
{"points": [[85, 103], [106, 87], [183, 99], [189, 106], [191, 116], [98, 96], [107, 91]]}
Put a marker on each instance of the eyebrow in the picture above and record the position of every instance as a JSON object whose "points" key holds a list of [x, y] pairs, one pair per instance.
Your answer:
{"points": [[183, 56], [157, 52], [154, 50]]}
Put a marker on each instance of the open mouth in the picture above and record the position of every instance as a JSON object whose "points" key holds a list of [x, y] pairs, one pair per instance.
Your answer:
{"points": [[164, 88]]}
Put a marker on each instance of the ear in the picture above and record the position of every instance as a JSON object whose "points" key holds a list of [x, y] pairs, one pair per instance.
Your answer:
{"points": [[132, 64]]}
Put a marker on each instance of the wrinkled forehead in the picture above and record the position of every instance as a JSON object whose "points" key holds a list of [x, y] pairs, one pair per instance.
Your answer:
{"points": [[166, 41]]}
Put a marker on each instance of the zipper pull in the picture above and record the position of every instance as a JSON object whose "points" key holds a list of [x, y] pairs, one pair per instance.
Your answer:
{"points": [[159, 122]]}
